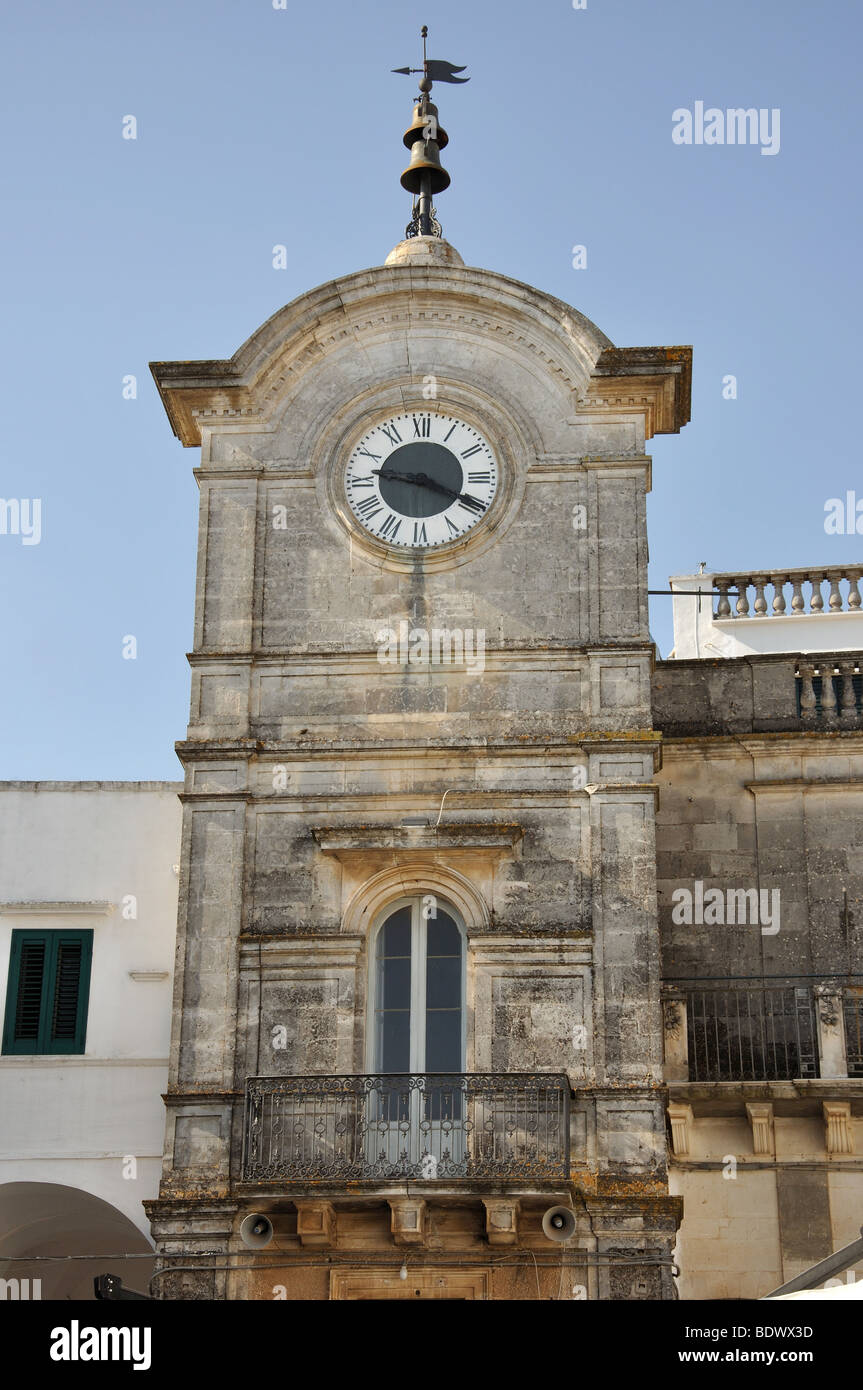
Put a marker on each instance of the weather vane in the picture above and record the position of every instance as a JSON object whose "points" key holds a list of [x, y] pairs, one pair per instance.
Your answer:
{"points": [[425, 138]]}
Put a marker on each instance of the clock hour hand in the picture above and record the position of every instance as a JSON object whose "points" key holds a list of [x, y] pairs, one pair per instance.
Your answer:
{"points": [[390, 473], [423, 480]]}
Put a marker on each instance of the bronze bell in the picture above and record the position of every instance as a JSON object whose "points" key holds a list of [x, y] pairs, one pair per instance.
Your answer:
{"points": [[425, 160], [415, 130], [425, 153]]}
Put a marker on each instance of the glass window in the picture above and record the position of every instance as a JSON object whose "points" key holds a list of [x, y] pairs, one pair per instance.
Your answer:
{"points": [[419, 991]]}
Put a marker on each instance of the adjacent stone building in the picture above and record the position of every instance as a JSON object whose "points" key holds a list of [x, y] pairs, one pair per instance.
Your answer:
{"points": [[761, 793]]}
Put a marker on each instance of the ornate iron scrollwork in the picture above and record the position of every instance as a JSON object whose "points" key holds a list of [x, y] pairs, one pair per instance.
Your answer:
{"points": [[422, 1126]]}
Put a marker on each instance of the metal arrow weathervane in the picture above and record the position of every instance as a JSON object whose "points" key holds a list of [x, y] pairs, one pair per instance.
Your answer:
{"points": [[425, 174], [436, 69]]}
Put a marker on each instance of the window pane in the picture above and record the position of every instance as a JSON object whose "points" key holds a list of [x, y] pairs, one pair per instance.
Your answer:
{"points": [[395, 1048], [396, 972], [443, 1040], [395, 938], [444, 937], [443, 982]]}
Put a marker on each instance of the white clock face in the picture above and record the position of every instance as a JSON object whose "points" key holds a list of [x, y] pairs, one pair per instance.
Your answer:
{"points": [[421, 480]]}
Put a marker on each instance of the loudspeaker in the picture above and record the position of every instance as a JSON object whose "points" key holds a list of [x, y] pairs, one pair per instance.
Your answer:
{"points": [[559, 1223], [256, 1231]]}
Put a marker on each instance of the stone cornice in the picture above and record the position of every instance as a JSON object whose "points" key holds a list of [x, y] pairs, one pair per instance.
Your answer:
{"points": [[590, 740], [806, 784], [56, 909], [655, 379], [810, 742], [347, 842]]}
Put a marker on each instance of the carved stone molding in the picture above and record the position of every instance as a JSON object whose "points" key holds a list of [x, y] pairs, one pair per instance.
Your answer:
{"points": [[839, 1137], [681, 1118], [417, 875], [676, 1045], [761, 1121], [501, 1220], [408, 1220], [422, 1283], [316, 1224]]}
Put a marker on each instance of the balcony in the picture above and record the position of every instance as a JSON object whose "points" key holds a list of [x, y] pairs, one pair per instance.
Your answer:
{"points": [[424, 1127], [777, 1031]]}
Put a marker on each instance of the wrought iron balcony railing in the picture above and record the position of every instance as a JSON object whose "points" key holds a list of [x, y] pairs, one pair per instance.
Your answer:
{"points": [[768, 1034], [424, 1126], [759, 1031]]}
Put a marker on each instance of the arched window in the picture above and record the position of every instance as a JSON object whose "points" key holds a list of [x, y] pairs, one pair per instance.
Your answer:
{"points": [[415, 1107], [418, 989]]}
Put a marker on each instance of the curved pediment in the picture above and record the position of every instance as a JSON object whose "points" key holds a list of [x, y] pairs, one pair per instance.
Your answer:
{"points": [[394, 319]]}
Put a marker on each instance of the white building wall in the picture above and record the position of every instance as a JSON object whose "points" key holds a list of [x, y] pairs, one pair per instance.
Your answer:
{"points": [[76, 854]]}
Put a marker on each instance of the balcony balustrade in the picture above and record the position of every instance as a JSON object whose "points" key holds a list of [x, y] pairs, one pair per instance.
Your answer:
{"points": [[422, 1127], [801, 604], [723, 1031]]}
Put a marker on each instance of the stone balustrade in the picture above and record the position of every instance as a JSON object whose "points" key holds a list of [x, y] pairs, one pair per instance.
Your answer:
{"points": [[769, 693], [830, 689], [736, 588]]}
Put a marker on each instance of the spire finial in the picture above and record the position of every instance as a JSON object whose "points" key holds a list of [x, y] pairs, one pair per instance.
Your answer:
{"points": [[425, 139]]}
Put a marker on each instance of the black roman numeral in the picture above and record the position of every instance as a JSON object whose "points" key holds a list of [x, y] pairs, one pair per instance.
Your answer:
{"points": [[369, 507], [363, 450], [362, 482], [390, 527], [449, 431], [479, 477], [472, 504], [422, 426], [392, 433], [474, 449], [454, 529], [420, 537]]}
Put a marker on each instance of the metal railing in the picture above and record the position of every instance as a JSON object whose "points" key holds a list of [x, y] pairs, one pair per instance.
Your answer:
{"points": [[852, 1008], [423, 1126], [751, 1033]]}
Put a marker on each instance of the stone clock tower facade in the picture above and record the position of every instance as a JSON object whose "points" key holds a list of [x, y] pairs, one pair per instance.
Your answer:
{"points": [[417, 989]]}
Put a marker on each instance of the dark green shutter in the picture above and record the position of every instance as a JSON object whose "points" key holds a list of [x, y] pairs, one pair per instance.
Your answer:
{"points": [[48, 992]]}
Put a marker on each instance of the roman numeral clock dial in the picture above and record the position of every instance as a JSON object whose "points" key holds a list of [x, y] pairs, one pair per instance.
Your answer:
{"points": [[421, 480]]}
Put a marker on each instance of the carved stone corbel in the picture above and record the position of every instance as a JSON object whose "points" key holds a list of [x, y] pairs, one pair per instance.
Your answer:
{"points": [[761, 1122], [501, 1220], [681, 1118], [408, 1220], [838, 1135], [316, 1224]]}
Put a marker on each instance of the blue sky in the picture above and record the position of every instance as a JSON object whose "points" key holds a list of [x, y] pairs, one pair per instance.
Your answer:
{"points": [[259, 126]]}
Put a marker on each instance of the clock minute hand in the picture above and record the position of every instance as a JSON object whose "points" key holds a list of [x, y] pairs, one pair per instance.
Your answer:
{"points": [[418, 480], [423, 480]]}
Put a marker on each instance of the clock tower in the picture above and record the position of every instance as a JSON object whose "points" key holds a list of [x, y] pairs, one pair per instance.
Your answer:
{"points": [[417, 1044]]}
